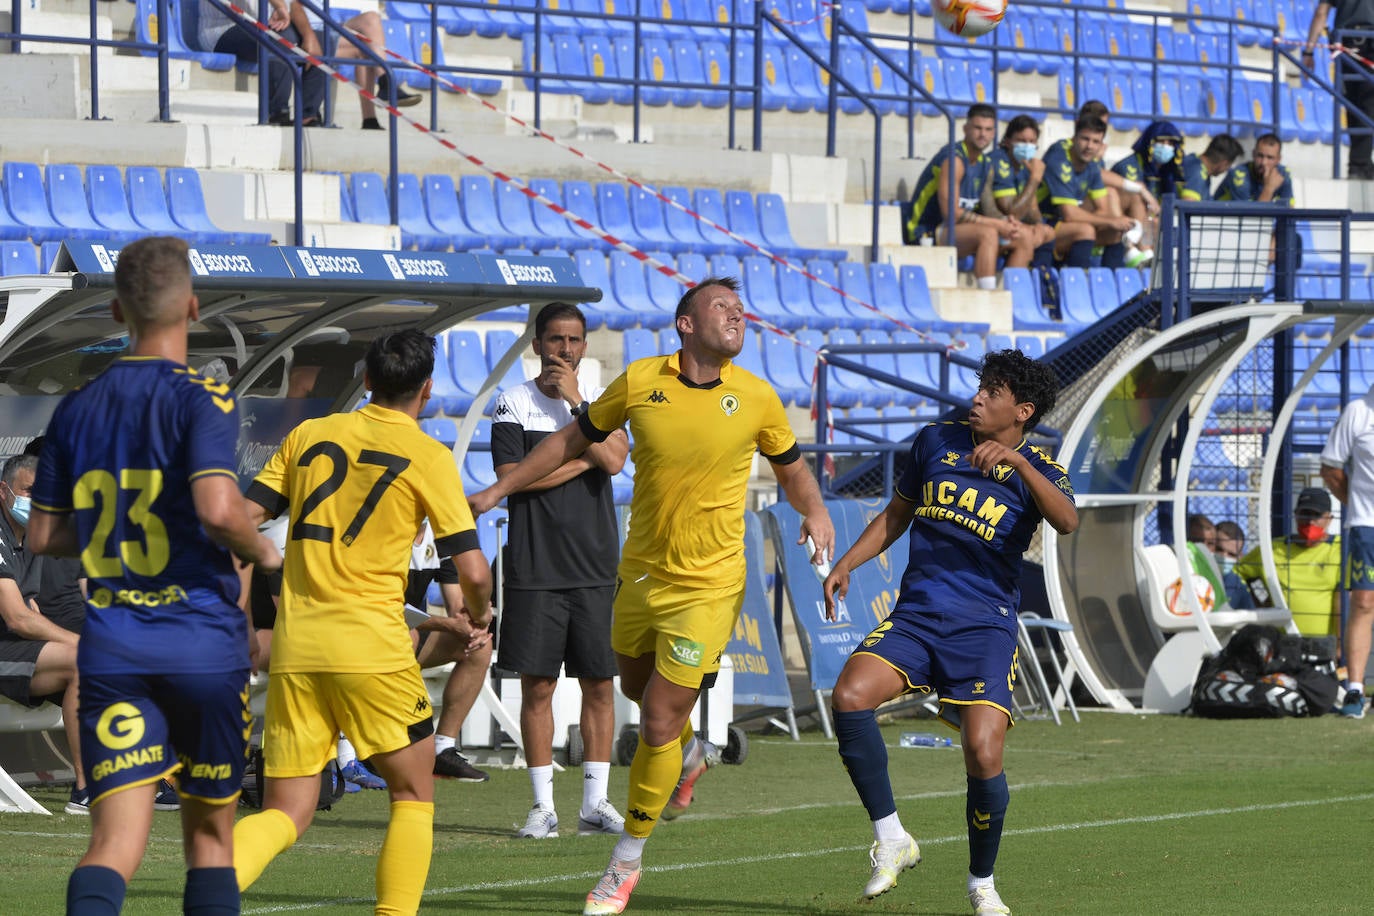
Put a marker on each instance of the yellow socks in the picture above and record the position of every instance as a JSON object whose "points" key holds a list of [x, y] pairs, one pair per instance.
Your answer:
{"points": [[653, 776], [403, 864], [258, 839]]}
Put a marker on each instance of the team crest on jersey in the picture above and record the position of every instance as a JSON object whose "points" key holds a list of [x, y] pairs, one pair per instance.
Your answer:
{"points": [[657, 397], [951, 458], [1001, 472], [729, 403], [877, 635], [1065, 484]]}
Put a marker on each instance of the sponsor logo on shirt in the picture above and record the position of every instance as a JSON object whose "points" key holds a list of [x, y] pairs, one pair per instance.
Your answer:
{"points": [[687, 652], [657, 397], [951, 458]]}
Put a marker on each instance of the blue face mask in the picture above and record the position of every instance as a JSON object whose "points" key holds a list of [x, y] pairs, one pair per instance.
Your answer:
{"points": [[1162, 153], [20, 511], [1024, 151]]}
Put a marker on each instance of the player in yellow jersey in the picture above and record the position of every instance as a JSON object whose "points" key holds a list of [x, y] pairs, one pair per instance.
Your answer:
{"points": [[696, 421], [358, 486]]}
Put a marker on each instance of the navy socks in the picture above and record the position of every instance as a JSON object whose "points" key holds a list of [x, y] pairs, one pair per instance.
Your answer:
{"points": [[94, 890], [985, 809], [865, 757]]}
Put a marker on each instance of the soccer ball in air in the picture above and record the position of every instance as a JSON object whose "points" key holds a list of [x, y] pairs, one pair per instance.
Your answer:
{"points": [[969, 18]]}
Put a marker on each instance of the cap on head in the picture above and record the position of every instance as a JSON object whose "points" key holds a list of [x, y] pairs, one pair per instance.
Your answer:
{"points": [[1313, 501]]}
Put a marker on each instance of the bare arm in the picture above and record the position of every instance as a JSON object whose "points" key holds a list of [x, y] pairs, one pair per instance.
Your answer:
{"points": [[877, 537], [474, 578], [1336, 481], [1073, 213], [23, 619], [1054, 504], [1316, 27], [52, 534], [804, 495], [1025, 205], [610, 455], [225, 515], [553, 451]]}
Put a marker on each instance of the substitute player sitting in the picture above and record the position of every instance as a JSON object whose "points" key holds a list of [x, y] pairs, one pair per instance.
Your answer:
{"points": [[358, 486], [973, 494]]}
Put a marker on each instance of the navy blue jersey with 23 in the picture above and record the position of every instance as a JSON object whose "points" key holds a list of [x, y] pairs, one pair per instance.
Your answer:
{"points": [[969, 531], [121, 455]]}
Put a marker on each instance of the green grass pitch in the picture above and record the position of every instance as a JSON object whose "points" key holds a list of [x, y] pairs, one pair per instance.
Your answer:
{"points": [[1122, 814]]}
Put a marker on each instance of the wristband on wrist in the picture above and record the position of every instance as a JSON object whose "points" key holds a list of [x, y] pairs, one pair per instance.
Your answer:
{"points": [[1131, 187]]}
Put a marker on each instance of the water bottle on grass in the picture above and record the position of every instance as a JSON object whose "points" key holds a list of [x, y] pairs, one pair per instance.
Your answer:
{"points": [[924, 739]]}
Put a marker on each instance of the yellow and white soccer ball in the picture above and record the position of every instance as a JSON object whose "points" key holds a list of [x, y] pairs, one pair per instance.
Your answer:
{"points": [[969, 18], [1178, 605]]}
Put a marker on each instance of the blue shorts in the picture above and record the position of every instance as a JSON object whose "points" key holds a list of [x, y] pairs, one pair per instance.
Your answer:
{"points": [[138, 728], [1359, 570], [967, 661]]}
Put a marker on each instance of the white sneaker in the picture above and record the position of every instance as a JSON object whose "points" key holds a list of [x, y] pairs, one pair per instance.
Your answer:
{"points": [[1132, 235], [605, 819], [542, 824], [986, 902], [889, 860]]}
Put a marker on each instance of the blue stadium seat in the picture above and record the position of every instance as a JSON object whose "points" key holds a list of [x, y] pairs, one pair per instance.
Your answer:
{"points": [[591, 264], [921, 368], [1075, 301], [892, 89], [804, 76], [445, 395], [1016, 40], [794, 292], [638, 343], [1303, 103], [467, 361], [18, 259], [441, 206], [1129, 283], [49, 252], [715, 66], [186, 202], [580, 199], [28, 203], [478, 205], [430, 52], [858, 289], [854, 68], [146, 30], [478, 473], [571, 59], [550, 68], [887, 291], [742, 216], [782, 369], [777, 89], [725, 265], [1121, 100], [1026, 313], [613, 213], [623, 48], [552, 226], [808, 367], [69, 206], [646, 215], [957, 86], [602, 63], [148, 202], [1102, 287], [831, 311], [416, 227], [369, 198], [109, 203], [664, 291], [631, 288], [886, 362], [778, 234], [860, 390], [920, 309], [750, 358], [496, 343], [690, 66], [440, 429], [760, 294], [1170, 99], [514, 209], [981, 81], [451, 18]]}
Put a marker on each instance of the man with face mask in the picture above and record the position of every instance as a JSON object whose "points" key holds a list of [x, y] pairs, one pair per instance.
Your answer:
{"points": [[37, 656], [560, 571], [1308, 563], [1230, 546]]}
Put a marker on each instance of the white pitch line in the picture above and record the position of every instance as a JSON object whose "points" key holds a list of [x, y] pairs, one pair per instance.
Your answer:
{"points": [[819, 853]]}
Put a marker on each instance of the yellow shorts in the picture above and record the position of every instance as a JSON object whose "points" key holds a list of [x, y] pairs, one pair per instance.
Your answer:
{"points": [[685, 626], [305, 713]]}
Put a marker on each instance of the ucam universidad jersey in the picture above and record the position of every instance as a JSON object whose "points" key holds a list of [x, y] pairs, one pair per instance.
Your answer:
{"points": [[121, 453], [969, 531]]}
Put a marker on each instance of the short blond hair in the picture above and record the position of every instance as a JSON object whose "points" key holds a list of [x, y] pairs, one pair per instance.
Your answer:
{"points": [[153, 280]]}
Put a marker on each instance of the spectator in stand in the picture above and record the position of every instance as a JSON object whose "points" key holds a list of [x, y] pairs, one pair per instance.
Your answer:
{"points": [[979, 236], [1348, 469], [220, 33], [1264, 180], [1074, 192], [1230, 547], [1355, 76], [1198, 171], [374, 79], [1308, 563], [1015, 172]]}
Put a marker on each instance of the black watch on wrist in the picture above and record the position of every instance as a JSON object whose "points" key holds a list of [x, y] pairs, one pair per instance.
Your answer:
{"points": [[580, 409]]}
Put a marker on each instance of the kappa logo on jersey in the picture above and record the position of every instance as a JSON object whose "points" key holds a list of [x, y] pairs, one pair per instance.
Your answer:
{"points": [[421, 705], [951, 458], [729, 404], [657, 397]]}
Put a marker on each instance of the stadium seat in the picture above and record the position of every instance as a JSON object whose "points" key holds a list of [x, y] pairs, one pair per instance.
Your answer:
{"points": [[886, 362], [859, 299], [807, 356], [760, 293], [1303, 102], [186, 202], [580, 200], [715, 65], [1025, 301], [49, 252], [777, 88], [690, 67], [183, 22], [591, 265], [750, 358], [921, 311], [109, 203], [827, 303], [1016, 40], [638, 343], [613, 213], [553, 226], [1102, 287], [148, 202], [782, 369], [440, 429], [1129, 283], [742, 216], [710, 205], [958, 89], [778, 234], [28, 203], [478, 473], [430, 52], [664, 291], [894, 90], [18, 259], [441, 206], [68, 202], [646, 215], [514, 208], [919, 367], [804, 76], [467, 361], [445, 395], [602, 63], [623, 48], [1075, 301], [497, 343], [631, 287], [416, 227], [478, 205]]}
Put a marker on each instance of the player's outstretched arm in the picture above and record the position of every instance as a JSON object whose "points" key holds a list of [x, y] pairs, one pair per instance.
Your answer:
{"points": [[877, 537], [804, 495], [223, 512], [52, 534], [554, 451]]}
